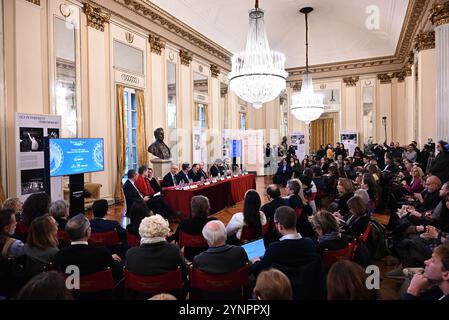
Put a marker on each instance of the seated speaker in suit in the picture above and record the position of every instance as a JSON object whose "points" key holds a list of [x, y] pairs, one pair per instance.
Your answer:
{"points": [[217, 168], [183, 175], [170, 179], [154, 183], [87, 258], [100, 224], [201, 170], [131, 192], [194, 174], [295, 256], [155, 255], [200, 207]]}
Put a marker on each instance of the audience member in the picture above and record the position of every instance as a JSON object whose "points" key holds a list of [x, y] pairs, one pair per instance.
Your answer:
{"points": [[100, 224], [440, 165], [42, 241], [59, 210], [9, 247], [327, 228], [357, 222], [49, 285], [272, 284], [346, 280], [163, 296], [36, 205], [199, 207], [87, 258], [138, 212], [155, 255], [251, 217]]}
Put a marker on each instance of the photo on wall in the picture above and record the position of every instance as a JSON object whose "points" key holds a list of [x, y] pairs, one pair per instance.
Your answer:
{"points": [[32, 181], [31, 139], [53, 133]]}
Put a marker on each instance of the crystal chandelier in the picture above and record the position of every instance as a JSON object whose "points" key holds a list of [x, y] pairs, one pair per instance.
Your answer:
{"points": [[307, 105], [258, 74]]}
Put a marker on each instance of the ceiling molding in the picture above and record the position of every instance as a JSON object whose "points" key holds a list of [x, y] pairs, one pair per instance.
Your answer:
{"points": [[416, 13], [351, 81], [172, 24], [214, 70], [385, 78]]}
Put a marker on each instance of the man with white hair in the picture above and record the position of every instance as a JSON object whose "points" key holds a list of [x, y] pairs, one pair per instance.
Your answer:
{"points": [[220, 258], [170, 179]]}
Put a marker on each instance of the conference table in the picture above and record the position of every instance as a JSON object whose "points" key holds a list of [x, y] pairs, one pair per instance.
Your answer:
{"points": [[221, 193]]}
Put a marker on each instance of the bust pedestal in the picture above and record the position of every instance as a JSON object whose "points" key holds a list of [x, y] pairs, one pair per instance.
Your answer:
{"points": [[161, 166]]}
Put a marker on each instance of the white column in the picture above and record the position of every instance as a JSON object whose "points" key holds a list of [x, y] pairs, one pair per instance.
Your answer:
{"points": [[442, 101]]}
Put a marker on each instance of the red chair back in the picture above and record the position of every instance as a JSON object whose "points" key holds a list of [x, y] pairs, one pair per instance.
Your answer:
{"points": [[132, 239], [364, 236], [63, 238], [219, 282], [96, 282], [248, 233], [104, 239], [166, 282], [22, 227], [298, 212], [192, 240], [332, 256]]}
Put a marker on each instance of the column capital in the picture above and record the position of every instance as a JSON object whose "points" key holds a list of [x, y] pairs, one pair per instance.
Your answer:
{"points": [[439, 14], [96, 17], [351, 81], [385, 78], [36, 2], [214, 70], [156, 44], [425, 40], [186, 57]]}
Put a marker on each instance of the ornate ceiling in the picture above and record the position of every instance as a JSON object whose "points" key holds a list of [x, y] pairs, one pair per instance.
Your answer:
{"points": [[338, 28]]}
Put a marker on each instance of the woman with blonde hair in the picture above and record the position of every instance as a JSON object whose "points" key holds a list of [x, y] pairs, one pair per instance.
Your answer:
{"points": [[155, 255], [356, 224], [326, 226], [416, 183], [345, 191], [272, 284]]}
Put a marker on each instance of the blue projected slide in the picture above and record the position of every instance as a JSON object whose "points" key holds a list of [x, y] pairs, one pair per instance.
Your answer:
{"points": [[254, 249], [235, 148], [74, 156]]}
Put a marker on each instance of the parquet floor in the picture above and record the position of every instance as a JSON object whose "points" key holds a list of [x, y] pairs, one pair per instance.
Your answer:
{"points": [[389, 289]]}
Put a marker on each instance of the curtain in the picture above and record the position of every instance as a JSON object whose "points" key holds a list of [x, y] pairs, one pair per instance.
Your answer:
{"points": [[121, 141], [141, 134], [322, 133], [2, 194], [196, 115], [206, 117]]}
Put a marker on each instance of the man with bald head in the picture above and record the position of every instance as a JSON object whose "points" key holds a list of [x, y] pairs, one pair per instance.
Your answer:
{"points": [[273, 195], [220, 258], [170, 179], [429, 198]]}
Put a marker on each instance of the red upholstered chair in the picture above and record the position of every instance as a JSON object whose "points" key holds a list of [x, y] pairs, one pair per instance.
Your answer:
{"points": [[104, 239], [96, 282], [132, 239], [192, 241], [332, 256], [249, 234], [150, 285], [63, 238], [228, 283], [365, 235]]}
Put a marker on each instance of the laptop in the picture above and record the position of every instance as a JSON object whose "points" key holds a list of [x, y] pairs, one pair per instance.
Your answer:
{"points": [[254, 248]]}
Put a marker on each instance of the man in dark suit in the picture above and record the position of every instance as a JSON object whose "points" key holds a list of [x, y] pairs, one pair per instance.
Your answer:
{"points": [[220, 258], [274, 196], [201, 171], [295, 256], [200, 207], [170, 179], [389, 165], [131, 192], [183, 175], [100, 224], [87, 258], [433, 284], [194, 173], [217, 169], [212, 260]]}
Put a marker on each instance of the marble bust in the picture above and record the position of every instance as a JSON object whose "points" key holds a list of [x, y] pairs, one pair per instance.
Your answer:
{"points": [[158, 148]]}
